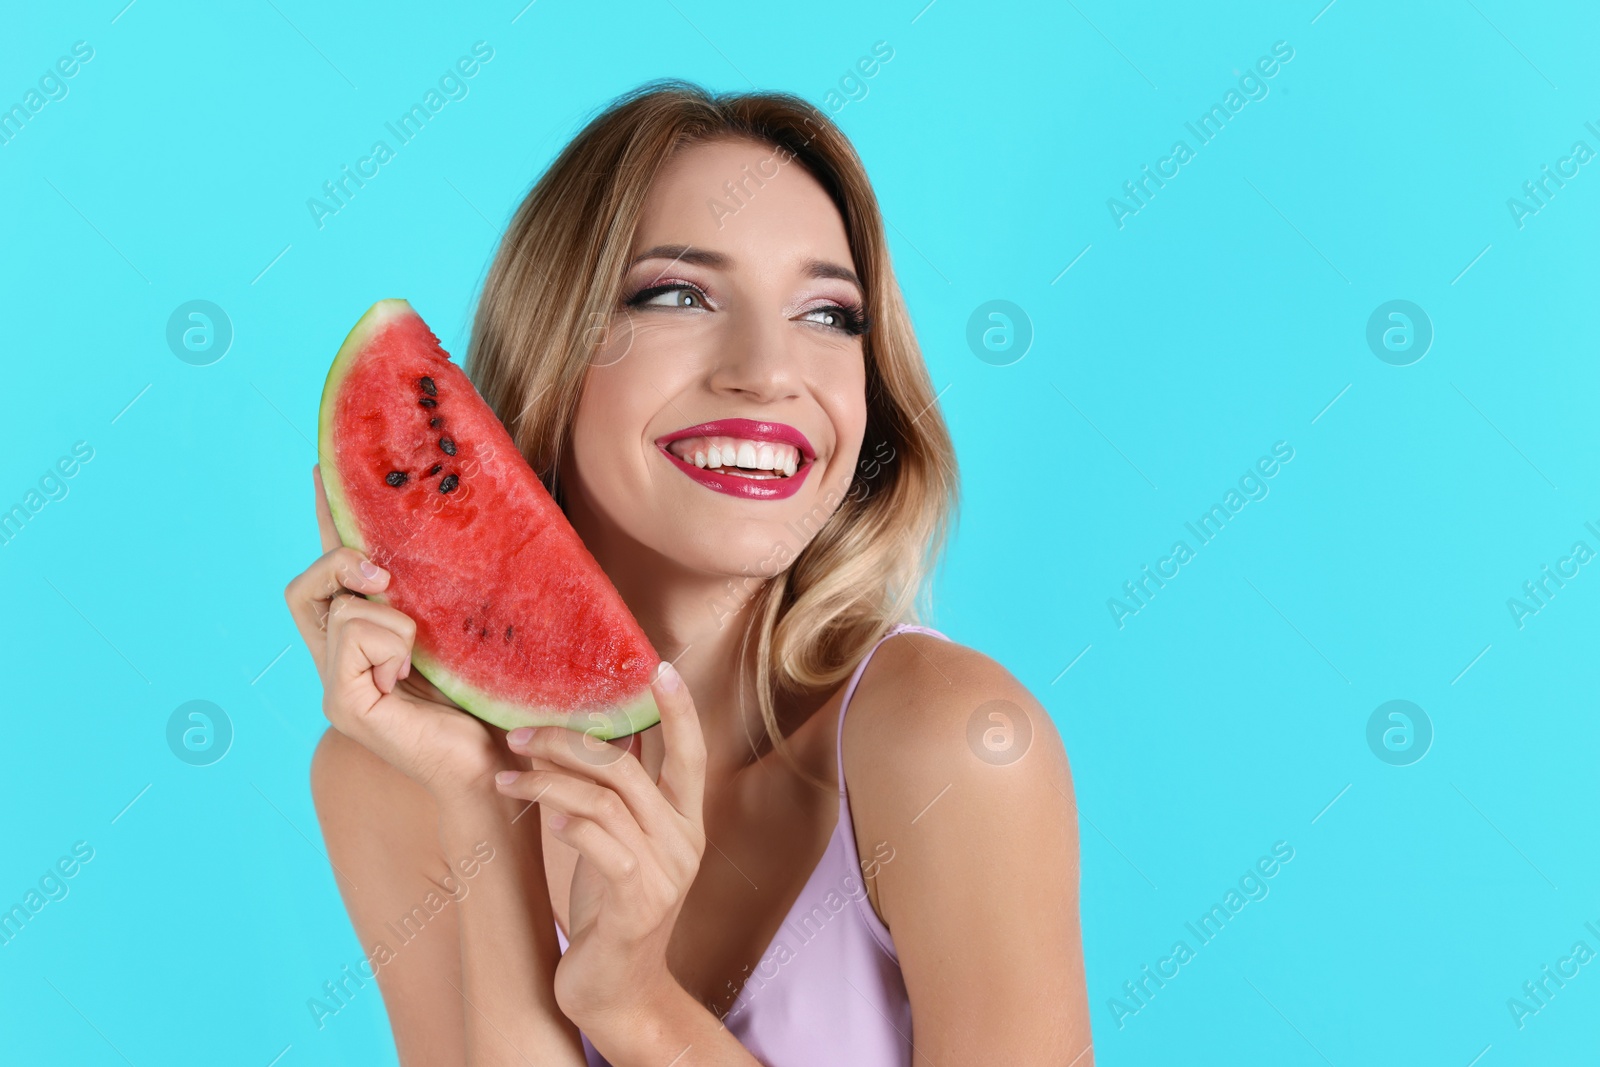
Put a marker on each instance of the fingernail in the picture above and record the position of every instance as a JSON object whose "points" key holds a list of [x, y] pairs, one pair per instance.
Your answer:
{"points": [[667, 675], [370, 569], [557, 820], [506, 777], [520, 736], [405, 671]]}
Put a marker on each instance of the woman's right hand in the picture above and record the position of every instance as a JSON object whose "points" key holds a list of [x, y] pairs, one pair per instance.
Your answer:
{"points": [[370, 694]]}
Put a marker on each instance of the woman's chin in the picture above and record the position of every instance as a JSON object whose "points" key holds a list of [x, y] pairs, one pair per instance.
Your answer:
{"points": [[757, 552]]}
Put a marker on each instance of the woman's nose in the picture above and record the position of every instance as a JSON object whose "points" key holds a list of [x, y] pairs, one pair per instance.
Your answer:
{"points": [[756, 357]]}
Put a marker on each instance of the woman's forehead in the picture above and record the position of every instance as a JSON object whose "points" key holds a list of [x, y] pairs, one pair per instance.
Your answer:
{"points": [[741, 196]]}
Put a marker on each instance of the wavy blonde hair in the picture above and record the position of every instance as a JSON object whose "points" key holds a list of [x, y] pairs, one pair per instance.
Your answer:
{"points": [[867, 564]]}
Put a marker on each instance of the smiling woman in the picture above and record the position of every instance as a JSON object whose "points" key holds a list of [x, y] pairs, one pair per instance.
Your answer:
{"points": [[720, 402]]}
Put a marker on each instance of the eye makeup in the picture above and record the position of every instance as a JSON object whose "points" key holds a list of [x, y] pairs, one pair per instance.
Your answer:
{"points": [[851, 318]]}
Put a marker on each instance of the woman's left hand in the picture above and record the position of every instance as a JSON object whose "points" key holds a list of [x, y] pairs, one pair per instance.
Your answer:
{"points": [[639, 842]]}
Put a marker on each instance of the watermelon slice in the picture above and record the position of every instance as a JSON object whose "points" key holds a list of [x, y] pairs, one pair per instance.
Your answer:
{"points": [[516, 622]]}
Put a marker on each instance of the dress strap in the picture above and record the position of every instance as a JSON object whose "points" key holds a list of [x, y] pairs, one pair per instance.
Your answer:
{"points": [[855, 680]]}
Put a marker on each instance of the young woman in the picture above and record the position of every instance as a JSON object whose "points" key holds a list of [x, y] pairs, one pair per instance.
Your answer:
{"points": [[693, 333]]}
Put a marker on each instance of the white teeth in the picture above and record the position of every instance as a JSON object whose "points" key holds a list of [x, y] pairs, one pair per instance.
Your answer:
{"points": [[735, 455]]}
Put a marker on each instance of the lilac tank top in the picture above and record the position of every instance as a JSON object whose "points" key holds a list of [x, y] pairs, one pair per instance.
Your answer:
{"points": [[828, 989]]}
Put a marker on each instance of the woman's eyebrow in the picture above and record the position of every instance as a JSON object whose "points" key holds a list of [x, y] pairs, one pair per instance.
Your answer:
{"points": [[821, 268], [687, 254], [812, 268]]}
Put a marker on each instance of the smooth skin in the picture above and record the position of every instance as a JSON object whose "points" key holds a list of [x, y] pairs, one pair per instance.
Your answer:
{"points": [[672, 857]]}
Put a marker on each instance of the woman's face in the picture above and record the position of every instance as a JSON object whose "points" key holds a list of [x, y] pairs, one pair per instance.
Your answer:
{"points": [[723, 414]]}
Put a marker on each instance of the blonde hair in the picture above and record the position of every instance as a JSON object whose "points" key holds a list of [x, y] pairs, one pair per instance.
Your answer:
{"points": [[867, 564]]}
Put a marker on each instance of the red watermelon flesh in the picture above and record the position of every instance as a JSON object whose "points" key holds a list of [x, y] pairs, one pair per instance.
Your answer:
{"points": [[516, 622]]}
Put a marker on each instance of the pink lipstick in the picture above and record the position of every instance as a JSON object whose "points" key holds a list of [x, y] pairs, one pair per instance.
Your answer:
{"points": [[766, 486]]}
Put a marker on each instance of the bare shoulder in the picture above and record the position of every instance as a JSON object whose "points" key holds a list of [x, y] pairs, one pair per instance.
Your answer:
{"points": [[962, 798], [955, 770], [931, 713]]}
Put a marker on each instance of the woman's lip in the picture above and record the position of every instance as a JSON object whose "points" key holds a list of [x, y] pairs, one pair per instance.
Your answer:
{"points": [[749, 429], [738, 485]]}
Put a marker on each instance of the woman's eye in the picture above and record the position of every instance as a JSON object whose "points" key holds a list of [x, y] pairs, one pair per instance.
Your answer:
{"points": [[681, 296], [838, 318]]}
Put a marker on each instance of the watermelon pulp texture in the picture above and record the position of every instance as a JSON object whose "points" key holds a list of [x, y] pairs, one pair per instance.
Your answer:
{"points": [[516, 622]]}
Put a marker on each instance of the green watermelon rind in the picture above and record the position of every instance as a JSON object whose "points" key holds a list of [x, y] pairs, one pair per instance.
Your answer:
{"points": [[614, 720], [631, 715], [376, 317]]}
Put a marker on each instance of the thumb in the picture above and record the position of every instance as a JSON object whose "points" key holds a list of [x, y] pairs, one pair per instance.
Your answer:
{"points": [[683, 768]]}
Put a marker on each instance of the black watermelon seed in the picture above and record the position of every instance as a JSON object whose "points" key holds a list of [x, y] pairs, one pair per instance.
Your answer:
{"points": [[508, 633], [435, 469], [447, 446], [483, 633], [434, 423], [396, 478], [448, 483], [428, 402], [428, 386]]}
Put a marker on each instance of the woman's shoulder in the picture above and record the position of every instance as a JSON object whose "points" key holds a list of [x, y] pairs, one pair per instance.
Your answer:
{"points": [[933, 717]]}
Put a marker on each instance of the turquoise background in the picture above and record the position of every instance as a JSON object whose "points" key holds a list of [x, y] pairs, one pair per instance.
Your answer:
{"points": [[1229, 313]]}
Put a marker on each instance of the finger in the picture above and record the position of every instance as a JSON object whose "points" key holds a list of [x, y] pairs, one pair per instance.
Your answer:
{"points": [[614, 861], [683, 768], [348, 610], [329, 532], [337, 570], [349, 607], [362, 664], [613, 767], [676, 841], [308, 594], [578, 798]]}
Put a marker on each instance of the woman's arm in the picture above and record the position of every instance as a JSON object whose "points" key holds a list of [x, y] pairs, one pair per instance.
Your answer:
{"points": [[507, 950], [507, 936], [956, 766]]}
